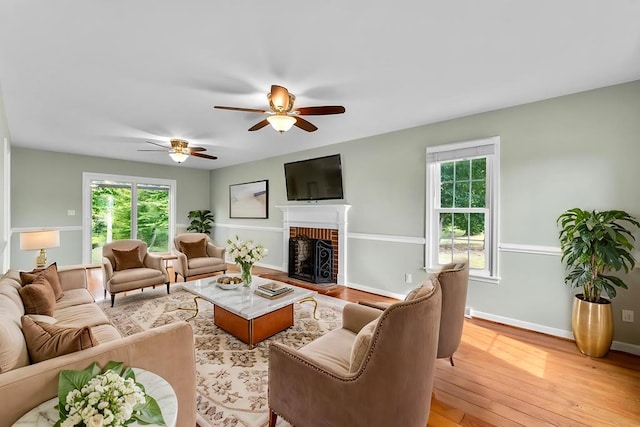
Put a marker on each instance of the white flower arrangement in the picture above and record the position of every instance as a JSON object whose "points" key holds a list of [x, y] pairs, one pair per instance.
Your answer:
{"points": [[90, 398], [246, 252]]}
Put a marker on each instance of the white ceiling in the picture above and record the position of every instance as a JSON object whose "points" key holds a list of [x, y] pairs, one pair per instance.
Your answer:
{"points": [[102, 77]]}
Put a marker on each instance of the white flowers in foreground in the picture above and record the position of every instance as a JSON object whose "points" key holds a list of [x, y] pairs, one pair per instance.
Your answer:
{"points": [[246, 252], [112, 398], [106, 400]]}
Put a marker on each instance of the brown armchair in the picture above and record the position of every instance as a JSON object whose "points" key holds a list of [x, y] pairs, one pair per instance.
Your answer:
{"points": [[377, 370], [197, 255], [454, 280], [126, 265]]}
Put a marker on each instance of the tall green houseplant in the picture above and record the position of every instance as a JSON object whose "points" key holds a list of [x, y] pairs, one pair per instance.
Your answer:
{"points": [[593, 245], [201, 221]]}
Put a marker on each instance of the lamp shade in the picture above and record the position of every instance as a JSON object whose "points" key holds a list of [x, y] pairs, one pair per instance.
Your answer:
{"points": [[281, 122], [36, 240]]}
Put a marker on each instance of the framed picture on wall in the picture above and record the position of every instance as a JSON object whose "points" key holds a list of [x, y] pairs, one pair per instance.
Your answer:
{"points": [[249, 200]]}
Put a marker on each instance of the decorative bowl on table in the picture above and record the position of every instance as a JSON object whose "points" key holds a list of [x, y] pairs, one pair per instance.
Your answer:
{"points": [[228, 282]]}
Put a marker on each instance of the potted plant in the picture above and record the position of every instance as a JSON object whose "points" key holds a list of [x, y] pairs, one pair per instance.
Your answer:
{"points": [[201, 221], [594, 244]]}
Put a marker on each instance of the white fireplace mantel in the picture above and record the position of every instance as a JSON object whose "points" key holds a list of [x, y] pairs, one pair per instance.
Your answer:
{"points": [[317, 216]]}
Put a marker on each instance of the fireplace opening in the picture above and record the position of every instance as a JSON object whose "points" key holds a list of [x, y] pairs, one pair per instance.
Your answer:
{"points": [[311, 259]]}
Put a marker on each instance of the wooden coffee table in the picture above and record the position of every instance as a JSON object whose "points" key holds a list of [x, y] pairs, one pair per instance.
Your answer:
{"points": [[251, 319]]}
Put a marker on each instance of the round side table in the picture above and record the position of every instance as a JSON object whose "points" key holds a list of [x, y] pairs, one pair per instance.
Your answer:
{"points": [[45, 414]]}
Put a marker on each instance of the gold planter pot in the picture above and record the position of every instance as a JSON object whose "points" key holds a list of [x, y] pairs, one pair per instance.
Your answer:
{"points": [[592, 325]]}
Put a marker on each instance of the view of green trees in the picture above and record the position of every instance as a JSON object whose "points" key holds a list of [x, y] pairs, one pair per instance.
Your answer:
{"points": [[463, 185], [111, 216]]}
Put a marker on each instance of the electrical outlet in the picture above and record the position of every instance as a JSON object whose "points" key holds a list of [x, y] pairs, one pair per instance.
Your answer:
{"points": [[627, 316], [408, 278], [71, 212]]}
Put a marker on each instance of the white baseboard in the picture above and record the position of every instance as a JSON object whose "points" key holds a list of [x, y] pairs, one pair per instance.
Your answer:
{"points": [[616, 345]]}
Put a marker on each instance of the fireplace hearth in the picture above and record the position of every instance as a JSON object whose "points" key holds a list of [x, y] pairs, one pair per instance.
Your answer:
{"points": [[311, 259]]}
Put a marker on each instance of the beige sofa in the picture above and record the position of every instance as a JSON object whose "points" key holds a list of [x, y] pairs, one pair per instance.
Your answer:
{"points": [[168, 350]]}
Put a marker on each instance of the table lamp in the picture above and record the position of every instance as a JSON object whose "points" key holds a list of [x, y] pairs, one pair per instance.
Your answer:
{"points": [[40, 240]]}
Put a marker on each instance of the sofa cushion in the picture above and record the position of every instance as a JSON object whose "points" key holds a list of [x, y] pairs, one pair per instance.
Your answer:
{"points": [[50, 273], [333, 349], [361, 345], [13, 348], [197, 249], [105, 333], [78, 316], [74, 297], [130, 276], [127, 259], [38, 297], [46, 341]]}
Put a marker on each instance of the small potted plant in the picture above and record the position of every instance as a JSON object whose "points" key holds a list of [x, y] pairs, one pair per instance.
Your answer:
{"points": [[593, 245], [201, 221]]}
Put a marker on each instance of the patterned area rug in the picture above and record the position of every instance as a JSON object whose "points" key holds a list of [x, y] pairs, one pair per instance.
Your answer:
{"points": [[231, 378]]}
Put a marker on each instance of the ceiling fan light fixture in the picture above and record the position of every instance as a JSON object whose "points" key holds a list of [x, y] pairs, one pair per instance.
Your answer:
{"points": [[281, 122], [178, 156]]}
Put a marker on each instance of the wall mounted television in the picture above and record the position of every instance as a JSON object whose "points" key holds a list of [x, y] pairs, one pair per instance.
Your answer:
{"points": [[314, 179]]}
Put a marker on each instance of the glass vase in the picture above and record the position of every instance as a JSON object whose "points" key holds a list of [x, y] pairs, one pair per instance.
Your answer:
{"points": [[246, 274]]}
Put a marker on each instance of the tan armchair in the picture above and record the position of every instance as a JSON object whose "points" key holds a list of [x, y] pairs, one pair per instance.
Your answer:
{"points": [[377, 370], [454, 280], [195, 259], [126, 265]]}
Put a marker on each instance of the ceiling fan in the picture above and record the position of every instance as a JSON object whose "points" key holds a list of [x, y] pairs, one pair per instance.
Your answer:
{"points": [[282, 115], [180, 150]]}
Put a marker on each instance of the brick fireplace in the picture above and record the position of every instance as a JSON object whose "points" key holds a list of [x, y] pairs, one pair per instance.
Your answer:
{"points": [[316, 221]]}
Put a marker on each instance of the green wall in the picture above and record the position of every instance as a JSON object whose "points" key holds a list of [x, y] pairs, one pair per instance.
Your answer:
{"points": [[5, 144], [45, 185], [579, 150]]}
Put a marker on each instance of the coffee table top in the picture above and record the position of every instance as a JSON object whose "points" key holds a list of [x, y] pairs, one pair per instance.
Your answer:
{"points": [[233, 301]]}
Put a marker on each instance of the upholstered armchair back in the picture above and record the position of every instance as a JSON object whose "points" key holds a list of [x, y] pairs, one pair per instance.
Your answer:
{"points": [[123, 245], [189, 238], [454, 279]]}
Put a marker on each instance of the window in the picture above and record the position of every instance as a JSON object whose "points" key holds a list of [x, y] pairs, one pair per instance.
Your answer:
{"points": [[462, 205], [121, 207]]}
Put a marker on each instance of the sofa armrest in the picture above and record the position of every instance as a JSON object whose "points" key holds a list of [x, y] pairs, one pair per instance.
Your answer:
{"points": [[355, 316], [167, 351], [73, 277], [215, 251]]}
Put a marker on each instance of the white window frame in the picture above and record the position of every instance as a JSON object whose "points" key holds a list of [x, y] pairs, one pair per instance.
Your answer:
{"points": [[490, 149], [88, 177]]}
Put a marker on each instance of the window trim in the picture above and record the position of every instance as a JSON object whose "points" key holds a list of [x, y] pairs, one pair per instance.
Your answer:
{"points": [[485, 147], [88, 177]]}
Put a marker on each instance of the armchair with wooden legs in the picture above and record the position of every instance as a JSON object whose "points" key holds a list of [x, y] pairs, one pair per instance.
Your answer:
{"points": [[377, 370]]}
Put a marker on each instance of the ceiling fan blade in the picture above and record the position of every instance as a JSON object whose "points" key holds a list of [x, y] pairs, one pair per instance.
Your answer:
{"points": [[159, 145], [305, 125], [166, 149], [197, 149], [259, 125], [321, 111], [204, 156], [280, 97], [250, 110]]}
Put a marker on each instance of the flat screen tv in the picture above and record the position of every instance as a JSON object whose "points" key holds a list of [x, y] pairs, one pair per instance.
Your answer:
{"points": [[314, 179]]}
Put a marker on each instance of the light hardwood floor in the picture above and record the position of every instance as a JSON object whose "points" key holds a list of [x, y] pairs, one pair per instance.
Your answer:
{"points": [[504, 376]]}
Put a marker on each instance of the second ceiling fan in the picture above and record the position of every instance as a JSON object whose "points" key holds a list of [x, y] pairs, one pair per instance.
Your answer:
{"points": [[282, 114]]}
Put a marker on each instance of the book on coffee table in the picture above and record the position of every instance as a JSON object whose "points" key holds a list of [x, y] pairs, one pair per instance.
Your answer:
{"points": [[273, 288], [268, 295]]}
